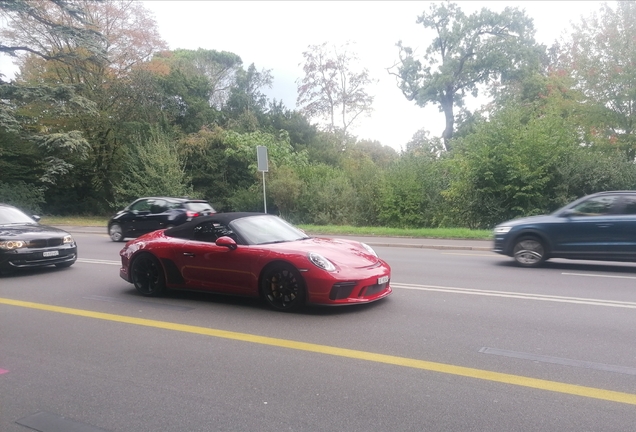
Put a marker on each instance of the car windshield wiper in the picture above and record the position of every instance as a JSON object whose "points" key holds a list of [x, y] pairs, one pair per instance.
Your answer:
{"points": [[275, 241]]}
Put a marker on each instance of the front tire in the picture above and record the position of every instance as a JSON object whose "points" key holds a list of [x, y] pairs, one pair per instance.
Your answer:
{"points": [[283, 288], [116, 233], [147, 275], [529, 252]]}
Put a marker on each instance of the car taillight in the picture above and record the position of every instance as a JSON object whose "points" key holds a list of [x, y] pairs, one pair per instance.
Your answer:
{"points": [[190, 213]]}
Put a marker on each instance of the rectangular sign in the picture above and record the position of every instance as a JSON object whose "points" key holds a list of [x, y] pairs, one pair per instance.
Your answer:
{"points": [[261, 158]]}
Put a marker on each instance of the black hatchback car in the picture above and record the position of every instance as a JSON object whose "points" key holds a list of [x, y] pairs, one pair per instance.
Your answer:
{"points": [[149, 214], [24, 243], [600, 226]]}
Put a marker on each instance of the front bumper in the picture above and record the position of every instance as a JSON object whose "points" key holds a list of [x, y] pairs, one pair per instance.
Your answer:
{"points": [[30, 258], [362, 286], [499, 244]]}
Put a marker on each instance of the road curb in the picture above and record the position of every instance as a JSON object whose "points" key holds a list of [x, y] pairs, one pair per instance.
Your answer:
{"points": [[426, 246], [415, 244]]}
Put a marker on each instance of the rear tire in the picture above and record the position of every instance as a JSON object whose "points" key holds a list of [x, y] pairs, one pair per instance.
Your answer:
{"points": [[147, 275], [529, 252], [116, 233]]}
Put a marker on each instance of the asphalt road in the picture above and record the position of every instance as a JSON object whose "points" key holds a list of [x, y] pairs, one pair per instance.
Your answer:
{"points": [[467, 342]]}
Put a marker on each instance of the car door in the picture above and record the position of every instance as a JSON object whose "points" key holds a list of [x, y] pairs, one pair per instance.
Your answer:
{"points": [[590, 229], [205, 265], [625, 227], [157, 215], [136, 219]]}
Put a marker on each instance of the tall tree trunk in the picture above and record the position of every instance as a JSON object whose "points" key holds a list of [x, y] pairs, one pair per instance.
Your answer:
{"points": [[447, 107]]}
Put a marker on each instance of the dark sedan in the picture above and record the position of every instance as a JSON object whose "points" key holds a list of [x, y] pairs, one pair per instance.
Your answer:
{"points": [[24, 243], [148, 214], [600, 227]]}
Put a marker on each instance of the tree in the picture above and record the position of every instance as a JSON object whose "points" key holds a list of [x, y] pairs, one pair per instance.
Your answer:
{"points": [[218, 67], [153, 167], [466, 51], [31, 25], [33, 114], [602, 58], [246, 94], [528, 159], [66, 60], [422, 144], [331, 87]]}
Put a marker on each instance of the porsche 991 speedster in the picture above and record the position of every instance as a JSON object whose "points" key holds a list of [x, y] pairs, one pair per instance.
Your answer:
{"points": [[255, 254]]}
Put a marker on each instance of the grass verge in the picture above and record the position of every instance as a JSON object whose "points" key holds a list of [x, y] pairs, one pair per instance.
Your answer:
{"points": [[449, 233], [96, 221]]}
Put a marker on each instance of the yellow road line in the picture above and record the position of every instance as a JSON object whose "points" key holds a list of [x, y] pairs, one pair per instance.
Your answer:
{"points": [[540, 384]]}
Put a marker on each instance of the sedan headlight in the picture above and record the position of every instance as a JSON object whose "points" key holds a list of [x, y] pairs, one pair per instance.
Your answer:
{"points": [[322, 262], [502, 229], [13, 244], [68, 239], [369, 249]]}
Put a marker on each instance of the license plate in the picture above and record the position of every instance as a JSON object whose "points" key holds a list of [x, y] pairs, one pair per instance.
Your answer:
{"points": [[383, 280], [50, 253]]}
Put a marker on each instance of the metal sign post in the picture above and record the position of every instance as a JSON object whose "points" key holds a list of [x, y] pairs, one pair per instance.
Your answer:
{"points": [[263, 166]]}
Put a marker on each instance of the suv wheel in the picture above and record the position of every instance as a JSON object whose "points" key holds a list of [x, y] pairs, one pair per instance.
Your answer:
{"points": [[529, 252]]}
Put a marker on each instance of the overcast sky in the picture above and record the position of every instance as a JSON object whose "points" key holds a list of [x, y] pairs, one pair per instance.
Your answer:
{"points": [[273, 35]]}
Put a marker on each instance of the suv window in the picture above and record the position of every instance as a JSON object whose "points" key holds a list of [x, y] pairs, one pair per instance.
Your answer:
{"points": [[596, 206], [630, 205]]}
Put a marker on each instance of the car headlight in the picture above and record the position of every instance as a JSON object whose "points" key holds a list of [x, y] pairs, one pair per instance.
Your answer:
{"points": [[68, 239], [13, 244], [369, 249], [322, 262], [502, 229]]}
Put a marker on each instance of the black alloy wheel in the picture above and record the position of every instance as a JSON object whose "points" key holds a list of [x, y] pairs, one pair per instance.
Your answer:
{"points": [[283, 288], [529, 252], [147, 275], [116, 232]]}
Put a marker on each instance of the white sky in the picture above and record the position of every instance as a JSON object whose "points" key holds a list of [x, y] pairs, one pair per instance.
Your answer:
{"points": [[273, 35]]}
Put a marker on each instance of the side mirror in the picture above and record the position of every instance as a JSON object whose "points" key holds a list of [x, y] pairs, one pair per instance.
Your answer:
{"points": [[226, 241], [36, 218]]}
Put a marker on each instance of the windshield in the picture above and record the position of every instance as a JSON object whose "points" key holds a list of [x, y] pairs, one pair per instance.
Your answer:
{"points": [[10, 215], [266, 229]]}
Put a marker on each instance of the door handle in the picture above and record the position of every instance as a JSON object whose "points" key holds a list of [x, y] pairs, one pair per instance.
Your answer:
{"points": [[604, 225], [188, 254]]}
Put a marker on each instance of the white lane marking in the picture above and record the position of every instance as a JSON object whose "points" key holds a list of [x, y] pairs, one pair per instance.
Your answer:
{"points": [[488, 293], [517, 295], [96, 261], [599, 275], [483, 254]]}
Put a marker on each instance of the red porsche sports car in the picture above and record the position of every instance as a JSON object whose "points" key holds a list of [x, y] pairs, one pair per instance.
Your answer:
{"points": [[255, 254]]}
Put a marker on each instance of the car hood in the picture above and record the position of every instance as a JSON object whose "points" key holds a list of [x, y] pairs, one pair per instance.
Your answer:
{"points": [[29, 231], [528, 220], [343, 253]]}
